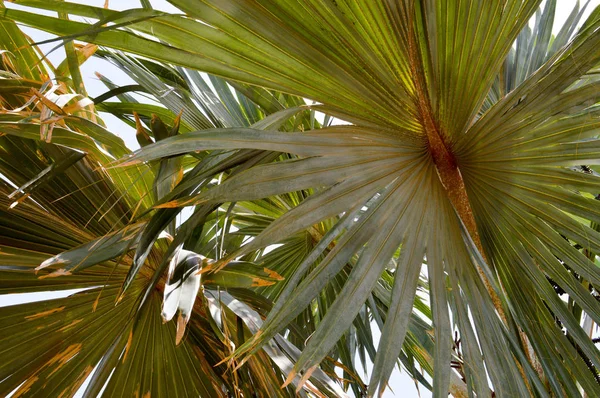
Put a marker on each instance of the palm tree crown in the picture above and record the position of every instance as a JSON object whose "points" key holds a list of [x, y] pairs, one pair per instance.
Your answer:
{"points": [[459, 176]]}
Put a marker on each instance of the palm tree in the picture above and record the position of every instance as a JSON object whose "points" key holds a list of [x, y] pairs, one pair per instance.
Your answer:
{"points": [[462, 160]]}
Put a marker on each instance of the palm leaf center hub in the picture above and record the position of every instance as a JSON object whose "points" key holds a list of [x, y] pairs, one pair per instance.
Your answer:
{"points": [[451, 178]]}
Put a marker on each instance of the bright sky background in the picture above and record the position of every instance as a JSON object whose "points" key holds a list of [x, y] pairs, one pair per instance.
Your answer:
{"points": [[402, 385]]}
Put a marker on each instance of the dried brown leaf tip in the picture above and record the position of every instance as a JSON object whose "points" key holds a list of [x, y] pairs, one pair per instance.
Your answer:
{"points": [[44, 313], [305, 378], [169, 205], [59, 272], [70, 325], [128, 345], [291, 376], [273, 274], [95, 305], [180, 329]]}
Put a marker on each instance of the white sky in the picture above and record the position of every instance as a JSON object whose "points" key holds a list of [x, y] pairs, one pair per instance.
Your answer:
{"points": [[402, 385]]}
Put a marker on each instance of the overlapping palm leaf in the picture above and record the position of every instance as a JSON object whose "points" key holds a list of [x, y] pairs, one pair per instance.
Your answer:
{"points": [[488, 198], [70, 212]]}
